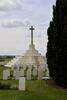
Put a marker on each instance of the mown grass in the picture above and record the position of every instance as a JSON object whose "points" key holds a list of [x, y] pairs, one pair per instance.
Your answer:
{"points": [[36, 90]]}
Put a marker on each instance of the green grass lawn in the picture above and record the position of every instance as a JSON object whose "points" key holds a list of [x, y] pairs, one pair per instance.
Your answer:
{"points": [[36, 90]]}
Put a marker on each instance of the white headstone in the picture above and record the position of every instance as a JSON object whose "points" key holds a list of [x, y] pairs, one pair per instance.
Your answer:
{"points": [[47, 72], [34, 73], [6, 74], [29, 76], [21, 72], [16, 74], [22, 84], [40, 73]]}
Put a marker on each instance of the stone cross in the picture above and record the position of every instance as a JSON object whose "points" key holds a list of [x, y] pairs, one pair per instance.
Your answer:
{"points": [[32, 34]]}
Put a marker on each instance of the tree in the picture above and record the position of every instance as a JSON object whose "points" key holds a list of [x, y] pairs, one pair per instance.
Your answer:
{"points": [[57, 44]]}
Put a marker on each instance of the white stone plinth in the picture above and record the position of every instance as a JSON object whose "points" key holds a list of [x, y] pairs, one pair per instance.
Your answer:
{"points": [[22, 84]]}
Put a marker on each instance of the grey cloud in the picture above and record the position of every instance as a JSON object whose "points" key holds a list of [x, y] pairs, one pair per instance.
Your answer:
{"points": [[7, 5], [14, 23]]}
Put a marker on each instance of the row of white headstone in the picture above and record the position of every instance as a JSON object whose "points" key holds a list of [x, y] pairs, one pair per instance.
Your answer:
{"points": [[21, 78], [21, 73]]}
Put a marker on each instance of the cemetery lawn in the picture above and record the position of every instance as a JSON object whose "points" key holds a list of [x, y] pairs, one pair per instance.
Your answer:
{"points": [[36, 90]]}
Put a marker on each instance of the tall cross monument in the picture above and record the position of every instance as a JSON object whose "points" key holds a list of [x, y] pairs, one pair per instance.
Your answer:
{"points": [[32, 35]]}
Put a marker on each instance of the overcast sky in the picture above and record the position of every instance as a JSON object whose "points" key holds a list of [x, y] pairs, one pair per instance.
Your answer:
{"points": [[16, 16]]}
